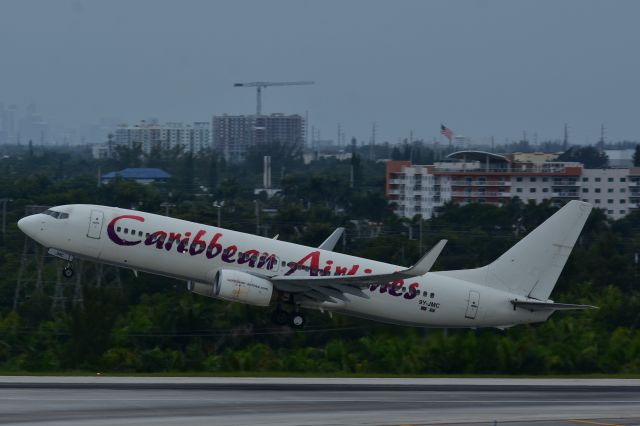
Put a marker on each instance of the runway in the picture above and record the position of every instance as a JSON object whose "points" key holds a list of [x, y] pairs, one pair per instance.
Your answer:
{"points": [[53, 401]]}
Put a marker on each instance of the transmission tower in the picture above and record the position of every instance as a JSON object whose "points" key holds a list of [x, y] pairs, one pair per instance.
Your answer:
{"points": [[39, 272], [94, 275], [31, 268]]}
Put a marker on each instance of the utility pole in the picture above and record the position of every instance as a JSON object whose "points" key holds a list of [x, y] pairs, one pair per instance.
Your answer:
{"points": [[601, 141], [420, 237], [4, 202], [257, 217], [565, 141], [218, 205], [167, 206], [374, 130], [306, 129]]}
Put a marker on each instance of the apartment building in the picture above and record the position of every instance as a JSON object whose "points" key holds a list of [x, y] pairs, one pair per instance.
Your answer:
{"points": [[233, 135], [192, 137], [476, 176]]}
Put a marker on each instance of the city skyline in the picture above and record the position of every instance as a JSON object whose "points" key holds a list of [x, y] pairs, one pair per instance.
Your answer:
{"points": [[484, 68]]}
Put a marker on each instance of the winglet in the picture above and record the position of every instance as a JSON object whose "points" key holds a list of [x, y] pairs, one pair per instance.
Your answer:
{"points": [[330, 242], [425, 264]]}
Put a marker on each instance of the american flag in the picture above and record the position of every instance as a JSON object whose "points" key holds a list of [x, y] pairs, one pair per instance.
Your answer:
{"points": [[446, 132]]}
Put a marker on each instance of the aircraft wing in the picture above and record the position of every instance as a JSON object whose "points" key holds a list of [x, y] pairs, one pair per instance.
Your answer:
{"points": [[323, 288]]}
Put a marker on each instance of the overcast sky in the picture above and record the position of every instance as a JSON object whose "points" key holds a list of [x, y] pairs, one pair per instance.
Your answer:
{"points": [[482, 67]]}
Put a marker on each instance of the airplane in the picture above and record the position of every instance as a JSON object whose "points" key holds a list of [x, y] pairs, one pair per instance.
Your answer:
{"points": [[238, 267]]}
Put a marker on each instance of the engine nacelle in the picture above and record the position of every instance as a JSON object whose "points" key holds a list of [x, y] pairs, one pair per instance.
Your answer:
{"points": [[236, 286]]}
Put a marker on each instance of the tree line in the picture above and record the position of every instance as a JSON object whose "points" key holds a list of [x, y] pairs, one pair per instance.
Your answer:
{"points": [[153, 324]]}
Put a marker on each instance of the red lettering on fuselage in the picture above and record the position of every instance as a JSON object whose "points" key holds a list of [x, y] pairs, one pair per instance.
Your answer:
{"points": [[184, 243]]}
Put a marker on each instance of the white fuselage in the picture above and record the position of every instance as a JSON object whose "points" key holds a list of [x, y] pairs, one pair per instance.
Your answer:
{"points": [[194, 252]]}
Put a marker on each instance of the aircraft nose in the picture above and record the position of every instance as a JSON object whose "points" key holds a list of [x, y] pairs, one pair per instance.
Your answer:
{"points": [[27, 224]]}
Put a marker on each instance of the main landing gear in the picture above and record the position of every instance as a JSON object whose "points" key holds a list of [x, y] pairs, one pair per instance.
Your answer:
{"points": [[297, 320], [294, 320]]}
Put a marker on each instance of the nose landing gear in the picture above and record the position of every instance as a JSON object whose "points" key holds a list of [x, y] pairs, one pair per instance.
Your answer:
{"points": [[68, 271]]}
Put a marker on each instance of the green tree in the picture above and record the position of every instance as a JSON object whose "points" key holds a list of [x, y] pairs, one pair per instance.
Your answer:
{"points": [[590, 156]]}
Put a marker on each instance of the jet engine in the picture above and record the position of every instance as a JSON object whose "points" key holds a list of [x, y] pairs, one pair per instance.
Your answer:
{"points": [[236, 286]]}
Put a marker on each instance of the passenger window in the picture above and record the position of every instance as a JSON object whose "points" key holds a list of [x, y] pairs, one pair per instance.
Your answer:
{"points": [[119, 228], [126, 230], [140, 233]]}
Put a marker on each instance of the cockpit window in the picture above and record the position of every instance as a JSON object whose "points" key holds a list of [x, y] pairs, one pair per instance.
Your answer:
{"points": [[56, 215]]}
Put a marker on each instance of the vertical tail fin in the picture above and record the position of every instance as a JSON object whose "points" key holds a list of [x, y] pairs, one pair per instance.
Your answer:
{"points": [[532, 266]]}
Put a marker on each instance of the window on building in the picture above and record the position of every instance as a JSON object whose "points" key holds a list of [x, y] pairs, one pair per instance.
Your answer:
{"points": [[610, 190], [623, 211], [545, 189], [597, 201], [585, 179], [518, 189], [597, 190], [545, 179], [610, 201], [623, 201], [518, 179], [532, 190], [610, 179], [609, 211], [623, 179], [597, 179], [585, 190], [532, 179]]}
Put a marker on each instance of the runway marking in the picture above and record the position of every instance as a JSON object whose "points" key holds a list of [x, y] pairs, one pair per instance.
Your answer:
{"points": [[591, 422], [364, 400], [290, 400]]}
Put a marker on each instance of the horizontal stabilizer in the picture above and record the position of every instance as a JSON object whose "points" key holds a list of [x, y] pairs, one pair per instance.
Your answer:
{"points": [[332, 240], [548, 306]]}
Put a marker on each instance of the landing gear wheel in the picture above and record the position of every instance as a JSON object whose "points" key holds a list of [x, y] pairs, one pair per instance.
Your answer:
{"points": [[297, 320], [280, 317], [67, 271]]}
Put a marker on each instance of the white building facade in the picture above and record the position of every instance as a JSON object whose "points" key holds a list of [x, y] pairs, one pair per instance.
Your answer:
{"points": [[193, 137], [473, 176]]}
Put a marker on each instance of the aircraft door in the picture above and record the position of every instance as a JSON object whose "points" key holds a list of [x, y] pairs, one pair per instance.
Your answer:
{"points": [[95, 224], [472, 307]]}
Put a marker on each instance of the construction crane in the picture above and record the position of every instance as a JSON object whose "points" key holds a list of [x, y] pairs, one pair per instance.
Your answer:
{"points": [[259, 85]]}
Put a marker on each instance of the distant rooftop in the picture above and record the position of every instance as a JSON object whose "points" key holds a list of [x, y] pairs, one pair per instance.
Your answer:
{"points": [[138, 173], [478, 156]]}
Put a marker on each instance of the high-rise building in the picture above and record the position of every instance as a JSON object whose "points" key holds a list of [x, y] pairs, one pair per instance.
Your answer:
{"points": [[193, 137], [483, 177], [8, 117], [33, 127], [233, 135]]}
